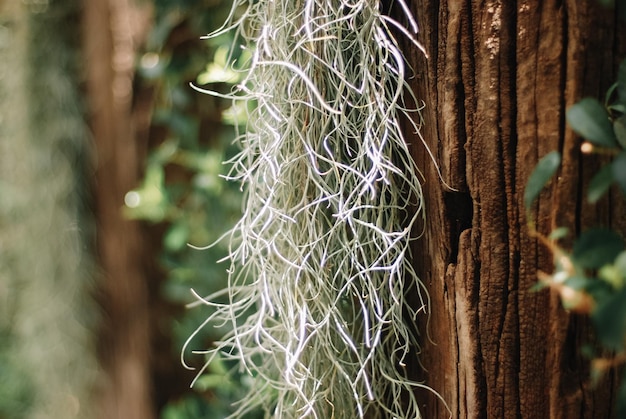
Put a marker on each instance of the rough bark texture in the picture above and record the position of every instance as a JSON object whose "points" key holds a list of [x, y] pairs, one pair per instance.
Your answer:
{"points": [[499, 77], [112, 30]]}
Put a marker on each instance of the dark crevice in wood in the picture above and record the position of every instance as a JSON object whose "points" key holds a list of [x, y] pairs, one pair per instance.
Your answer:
{"points": [[459, 213]]}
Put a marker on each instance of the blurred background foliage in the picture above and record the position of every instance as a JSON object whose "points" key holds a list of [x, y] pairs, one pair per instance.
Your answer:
{"points": [[48, 273], [47, 361], [191, 135]]}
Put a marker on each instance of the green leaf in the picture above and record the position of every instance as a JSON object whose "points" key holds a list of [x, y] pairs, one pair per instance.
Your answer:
{"points": [[538, 286], [210, 381], [591, 121], [617, 107], [609, 95], [600, 184], [612, 276], [588, 351], [218, 366], [542, 173], [609, 319], [215, 73], [619, 127], [620, 263], [558, 233], [176, 237], [597, 247], [619, 170], [579, 282], [150, 201]]}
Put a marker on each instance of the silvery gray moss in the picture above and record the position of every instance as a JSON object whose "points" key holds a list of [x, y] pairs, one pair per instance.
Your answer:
{"points": [[320, 265]]}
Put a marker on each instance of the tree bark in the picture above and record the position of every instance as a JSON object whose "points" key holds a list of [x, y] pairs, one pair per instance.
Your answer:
{"points": [[496, 84]]}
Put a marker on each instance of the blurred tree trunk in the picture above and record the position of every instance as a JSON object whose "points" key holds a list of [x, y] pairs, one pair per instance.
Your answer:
{"points": [[112, 31], [46, 268], [498, 80]]}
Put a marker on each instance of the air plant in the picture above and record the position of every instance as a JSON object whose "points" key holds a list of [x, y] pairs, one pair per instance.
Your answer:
{"points": [[320, 269]]}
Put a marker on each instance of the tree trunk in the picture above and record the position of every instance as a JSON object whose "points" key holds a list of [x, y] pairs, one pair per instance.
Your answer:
{"points": [[496, 84], [112, 32]]}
